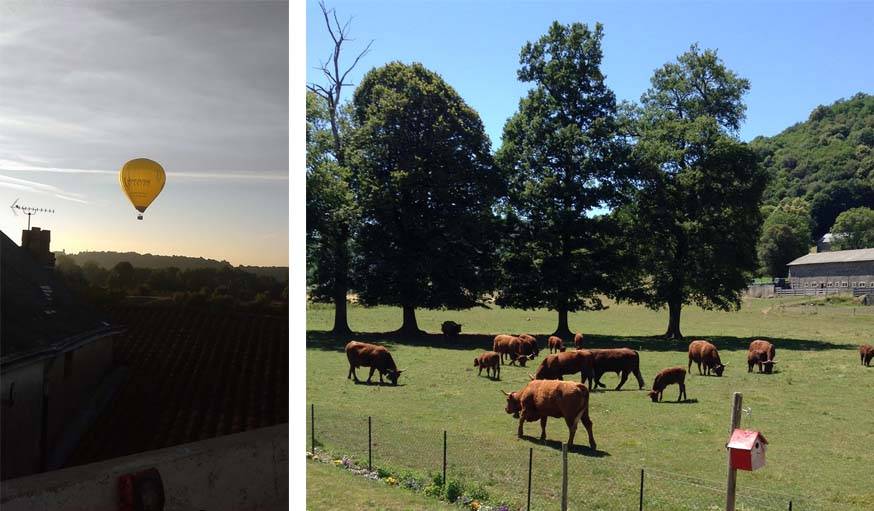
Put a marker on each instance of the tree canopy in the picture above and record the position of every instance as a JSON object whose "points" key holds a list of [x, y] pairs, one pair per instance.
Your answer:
{"points": [[854, 229], [786, 235]]}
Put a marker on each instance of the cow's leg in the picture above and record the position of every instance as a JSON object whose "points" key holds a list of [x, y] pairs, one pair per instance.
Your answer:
{"points": [[571, 431], [699, 369], [498, 372], [622, 380], [352, 372], [370, 376], [689, 369], [639, 377], [749, 367], [682, 390], [349, 376], [543, 428], [521, 423], [587, 423]]}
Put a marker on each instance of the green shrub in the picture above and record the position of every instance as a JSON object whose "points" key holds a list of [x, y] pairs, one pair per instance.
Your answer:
{"points": [[454, 489]]}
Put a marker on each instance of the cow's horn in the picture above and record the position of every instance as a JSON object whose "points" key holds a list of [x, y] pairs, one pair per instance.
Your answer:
{"points": [[505, 392], [529, 375]]}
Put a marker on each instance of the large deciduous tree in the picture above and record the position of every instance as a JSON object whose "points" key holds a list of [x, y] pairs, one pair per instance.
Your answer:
{"points": [[853, 229], [695, 221], [786, 235], [426, 186], [563, 159]]}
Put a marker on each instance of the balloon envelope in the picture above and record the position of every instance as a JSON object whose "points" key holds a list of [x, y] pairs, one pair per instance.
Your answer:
{"points": [[141, 180]]}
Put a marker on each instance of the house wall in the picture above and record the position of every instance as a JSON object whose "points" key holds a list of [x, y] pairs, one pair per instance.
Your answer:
{"points": [[832, 275], [20, 419]]}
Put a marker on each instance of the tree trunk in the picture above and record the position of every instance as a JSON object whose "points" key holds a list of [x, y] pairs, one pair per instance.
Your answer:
{"points": [[410, 326], [674, 308], [341, 288], [563, 330]]}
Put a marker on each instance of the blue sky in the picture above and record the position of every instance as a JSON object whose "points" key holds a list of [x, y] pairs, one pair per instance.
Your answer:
{"points": [[797, 55]]}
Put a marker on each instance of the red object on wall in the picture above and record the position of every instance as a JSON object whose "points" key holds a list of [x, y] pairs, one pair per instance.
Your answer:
{"points": [[141, 491], [747, 449]]}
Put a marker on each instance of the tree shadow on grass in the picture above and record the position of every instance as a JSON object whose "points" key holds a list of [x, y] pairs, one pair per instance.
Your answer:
{"points": [[324, 340], [575, 449]]}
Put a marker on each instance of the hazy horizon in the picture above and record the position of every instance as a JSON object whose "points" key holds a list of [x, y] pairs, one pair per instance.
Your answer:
{"points": [[200, 87]]}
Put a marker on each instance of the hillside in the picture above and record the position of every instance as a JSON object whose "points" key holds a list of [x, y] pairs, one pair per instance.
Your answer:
{"points": [[828, 160], [109, 259]]}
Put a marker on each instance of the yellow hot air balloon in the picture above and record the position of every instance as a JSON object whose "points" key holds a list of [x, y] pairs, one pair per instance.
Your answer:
{"points": [[141, 180]]}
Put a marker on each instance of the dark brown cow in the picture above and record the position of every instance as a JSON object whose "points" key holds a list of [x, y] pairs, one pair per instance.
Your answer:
{"points": [[703, 352], [555, 344], [491, 360], [377, 358], [761, 353], [622, 361], [450, 328], [578, 340], [532, 347], [667, 377], [866, 353], [541, 399], [554, 367]]}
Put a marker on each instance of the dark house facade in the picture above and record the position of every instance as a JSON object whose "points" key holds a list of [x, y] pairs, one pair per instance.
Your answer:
{"points": [[54, 352], [839, 270]]}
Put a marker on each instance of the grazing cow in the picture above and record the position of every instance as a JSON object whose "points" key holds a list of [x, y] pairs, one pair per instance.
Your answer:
{"points": [[617, 360], [578, 340], [541, 399], [702, 352], [866, 353], [554, 367], [531, 342], [504, 345], [377, 358], [667, 377], [450, 328], [555, 344], [761, 353], [491, 360]]}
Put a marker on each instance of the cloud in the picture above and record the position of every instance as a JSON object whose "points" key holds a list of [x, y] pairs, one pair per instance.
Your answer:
{"points": [[12, 166], [40, 188]]}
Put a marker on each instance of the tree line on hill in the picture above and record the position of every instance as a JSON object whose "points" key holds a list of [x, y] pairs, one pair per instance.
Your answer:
{"points": [[653, 203], [221, 288]]}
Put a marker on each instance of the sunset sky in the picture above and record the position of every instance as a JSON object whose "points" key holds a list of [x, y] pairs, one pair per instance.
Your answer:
{"points": [[200, 87]]}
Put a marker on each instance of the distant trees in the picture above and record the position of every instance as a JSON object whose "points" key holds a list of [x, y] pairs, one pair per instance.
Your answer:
{"points": [[786, 235], [854, 229], [426, 185], [563, 158], [694, 223]]}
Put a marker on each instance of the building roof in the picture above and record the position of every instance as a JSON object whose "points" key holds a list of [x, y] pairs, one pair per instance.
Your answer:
{"points": [[39, 316], [838, 256]]}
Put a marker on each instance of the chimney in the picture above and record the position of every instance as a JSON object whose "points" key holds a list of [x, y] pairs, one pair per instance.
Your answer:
{"points": [[36, 241]]}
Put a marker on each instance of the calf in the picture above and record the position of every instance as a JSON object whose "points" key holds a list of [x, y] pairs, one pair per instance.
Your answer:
{"points": [[761, 353], [541, 399], [866, 353], [555, 344], [618, 360], [554, 367], [377, 358], [702, 352], [491, 360], [578, 340], [667, 377]]}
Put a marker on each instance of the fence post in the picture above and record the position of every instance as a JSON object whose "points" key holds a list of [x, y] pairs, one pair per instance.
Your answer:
{"points": [[530, 459], [312, 428], [640, 506], [563, 477], [369, 446], [790, 505], [732, 473], [444, 458]]}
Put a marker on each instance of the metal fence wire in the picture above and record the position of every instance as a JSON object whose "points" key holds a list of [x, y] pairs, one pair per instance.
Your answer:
{"points": [[486, 466]]}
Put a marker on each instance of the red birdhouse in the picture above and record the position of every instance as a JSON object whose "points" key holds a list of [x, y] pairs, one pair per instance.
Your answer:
{"points": [[747, 449]]}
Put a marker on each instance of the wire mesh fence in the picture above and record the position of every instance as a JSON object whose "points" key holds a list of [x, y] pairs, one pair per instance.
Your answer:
{"points": [[529, 478]]}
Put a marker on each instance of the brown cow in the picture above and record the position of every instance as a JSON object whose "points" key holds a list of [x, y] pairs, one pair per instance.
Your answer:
{"points": [[541, 399], [706, 353], [761, 353], [531, 344], [361, 354], [578, 340], [504, 345], [554, 367], [866, 353], [555, 344], [667, 377], [617, 360], [491, 360]]}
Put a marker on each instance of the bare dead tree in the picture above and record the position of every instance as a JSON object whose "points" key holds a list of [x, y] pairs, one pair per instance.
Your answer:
{"points": [[331, 92]]}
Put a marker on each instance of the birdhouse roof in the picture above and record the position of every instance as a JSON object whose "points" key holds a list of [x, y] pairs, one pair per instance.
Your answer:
{"points": [[745, 439]]}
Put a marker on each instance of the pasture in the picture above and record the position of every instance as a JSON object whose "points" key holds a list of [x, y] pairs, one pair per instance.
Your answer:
{"points": [[815, 410]]}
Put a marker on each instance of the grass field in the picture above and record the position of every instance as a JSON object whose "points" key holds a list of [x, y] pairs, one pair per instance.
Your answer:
{"points": [[814, 411]]}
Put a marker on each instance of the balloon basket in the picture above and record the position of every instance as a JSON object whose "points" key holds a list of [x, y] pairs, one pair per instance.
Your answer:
{"points": [[139, 217]]}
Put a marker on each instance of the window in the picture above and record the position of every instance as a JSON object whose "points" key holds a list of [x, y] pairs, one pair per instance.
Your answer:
{"points": [[68, 365], [844, 284], [830, 284], [862, 284]]}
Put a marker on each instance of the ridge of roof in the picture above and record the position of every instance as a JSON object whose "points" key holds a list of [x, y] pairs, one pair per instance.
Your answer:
{"points": [[837, 256]]}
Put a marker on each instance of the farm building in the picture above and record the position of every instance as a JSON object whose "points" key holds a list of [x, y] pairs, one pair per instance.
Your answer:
{"points": [[54, 353], [839, 270]]}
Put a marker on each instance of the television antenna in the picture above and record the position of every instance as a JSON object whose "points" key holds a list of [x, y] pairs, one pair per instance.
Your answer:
{"points": [[28, 210]]}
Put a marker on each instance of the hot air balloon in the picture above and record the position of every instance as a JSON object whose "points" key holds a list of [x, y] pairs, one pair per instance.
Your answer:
{"points": [[141, 180]]}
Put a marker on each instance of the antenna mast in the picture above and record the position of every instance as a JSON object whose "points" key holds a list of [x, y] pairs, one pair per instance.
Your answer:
{"points": [[28, 210]]}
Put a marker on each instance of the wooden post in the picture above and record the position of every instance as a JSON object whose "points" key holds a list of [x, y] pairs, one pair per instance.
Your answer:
{"points": [[640, 506], [444, 458], [790, 505], [732, 473], [312, 428], [564, 477], [369, 446], [530, 459]]}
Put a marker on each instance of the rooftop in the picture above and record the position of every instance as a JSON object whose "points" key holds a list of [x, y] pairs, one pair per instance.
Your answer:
{"points": [[838, 256]]}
